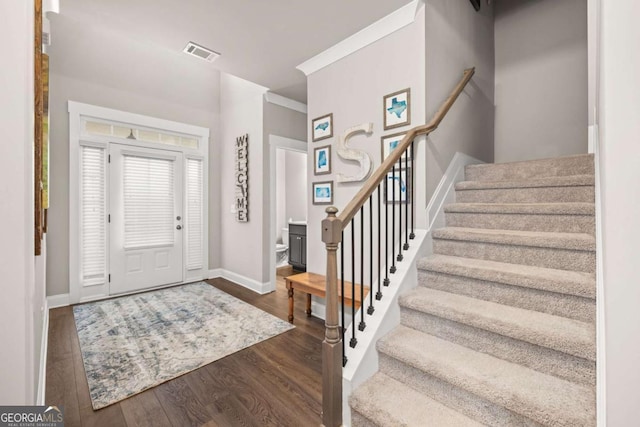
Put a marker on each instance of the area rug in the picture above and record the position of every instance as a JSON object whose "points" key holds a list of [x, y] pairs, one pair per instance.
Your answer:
{"points": [[133, 343]]}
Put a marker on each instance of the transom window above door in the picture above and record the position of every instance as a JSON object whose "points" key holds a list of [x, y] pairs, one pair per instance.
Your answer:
{"points": [[101, 128]]}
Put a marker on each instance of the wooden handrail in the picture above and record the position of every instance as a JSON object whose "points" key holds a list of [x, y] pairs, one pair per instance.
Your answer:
{"points": [[332, 227], [378, 175]]}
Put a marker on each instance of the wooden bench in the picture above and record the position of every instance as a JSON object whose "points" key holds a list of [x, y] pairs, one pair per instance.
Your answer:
{"points": [[314, 284]]}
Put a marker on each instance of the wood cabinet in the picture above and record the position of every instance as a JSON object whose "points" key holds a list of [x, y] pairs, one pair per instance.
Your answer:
{"points": [[298, 246]]}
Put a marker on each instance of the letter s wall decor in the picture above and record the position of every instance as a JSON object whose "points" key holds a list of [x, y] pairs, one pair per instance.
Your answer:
{"points": [[359, 156]]}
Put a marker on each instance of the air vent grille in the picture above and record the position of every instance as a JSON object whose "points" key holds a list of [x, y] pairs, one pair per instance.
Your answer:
{"points": [[200, 52]]}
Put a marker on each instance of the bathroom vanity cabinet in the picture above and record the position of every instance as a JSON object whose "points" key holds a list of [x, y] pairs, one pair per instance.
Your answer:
{"points": [[298, 246]]}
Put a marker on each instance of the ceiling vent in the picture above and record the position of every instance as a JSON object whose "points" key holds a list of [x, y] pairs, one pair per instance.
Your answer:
{"points": [[200, 52]]}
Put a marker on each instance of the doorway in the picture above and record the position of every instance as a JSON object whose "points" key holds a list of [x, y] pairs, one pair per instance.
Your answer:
{"points": [[282, 145], [145, 218]]}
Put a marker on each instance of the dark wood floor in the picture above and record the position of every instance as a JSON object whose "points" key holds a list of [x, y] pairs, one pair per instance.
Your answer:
{"points": [[274, 383]]}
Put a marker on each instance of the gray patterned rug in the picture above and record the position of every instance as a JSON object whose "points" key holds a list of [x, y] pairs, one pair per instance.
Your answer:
{"points": [[133, 343]]}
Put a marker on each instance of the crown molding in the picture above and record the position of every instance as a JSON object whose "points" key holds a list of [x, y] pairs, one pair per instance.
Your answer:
{"points": [[274, 98], [374, 32]]}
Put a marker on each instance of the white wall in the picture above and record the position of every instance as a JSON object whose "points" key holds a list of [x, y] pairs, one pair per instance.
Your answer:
{"points": [[296, 185], [63, 89], [619, 120], [541, 91], [242, 242], [352, 89], [457, 37], [22, 298]]}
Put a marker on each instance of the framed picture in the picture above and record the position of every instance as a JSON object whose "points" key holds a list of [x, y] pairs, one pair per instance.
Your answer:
{"points": [[398, 188], [390, 142], [322, 127], [322, 160], [397, 109], [322, 193]]}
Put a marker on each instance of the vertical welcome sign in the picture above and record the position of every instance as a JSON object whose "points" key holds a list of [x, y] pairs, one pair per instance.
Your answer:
{"points": [[242, 178]]}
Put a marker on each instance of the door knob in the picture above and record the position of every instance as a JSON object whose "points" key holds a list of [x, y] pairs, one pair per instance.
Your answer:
{"points": [[178, 227], [178, 218]]}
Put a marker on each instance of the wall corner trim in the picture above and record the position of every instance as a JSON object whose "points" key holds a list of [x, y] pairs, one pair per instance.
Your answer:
{"points": [[42, 375], [56, 301], [291, 104], [374, 32], [251, 284]]}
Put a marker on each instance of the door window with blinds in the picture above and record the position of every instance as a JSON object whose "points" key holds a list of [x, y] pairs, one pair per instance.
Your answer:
{"points": [[148, 185], [195, 218]]}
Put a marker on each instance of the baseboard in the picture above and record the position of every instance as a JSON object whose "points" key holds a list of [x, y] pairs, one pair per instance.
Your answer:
{"points": [[215, 273], [251, 284], [42, 376], [60, 300]]}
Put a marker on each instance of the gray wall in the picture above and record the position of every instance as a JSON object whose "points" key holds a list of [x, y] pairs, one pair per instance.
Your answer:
{"points": [[63, 89], [353, 90], [541, 91], [619, 113], [458, 37]]}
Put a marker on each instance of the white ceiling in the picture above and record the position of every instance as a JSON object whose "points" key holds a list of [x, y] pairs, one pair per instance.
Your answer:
{"points": [[115, 41]]}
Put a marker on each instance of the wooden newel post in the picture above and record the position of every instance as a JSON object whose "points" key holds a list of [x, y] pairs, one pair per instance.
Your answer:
{"points": [[332, 346]]}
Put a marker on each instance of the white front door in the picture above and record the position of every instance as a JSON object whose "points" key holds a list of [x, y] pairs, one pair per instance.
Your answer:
{"points": [[146, 218]]}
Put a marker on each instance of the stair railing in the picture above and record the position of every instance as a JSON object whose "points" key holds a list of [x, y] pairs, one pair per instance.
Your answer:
{"points": [[333, 230]]}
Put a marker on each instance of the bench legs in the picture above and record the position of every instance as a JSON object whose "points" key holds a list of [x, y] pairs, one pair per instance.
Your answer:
{"points": [[290, 305], [290, 292]]}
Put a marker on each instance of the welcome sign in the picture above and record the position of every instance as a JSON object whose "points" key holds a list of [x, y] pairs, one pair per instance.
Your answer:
{"points": [[242, 178]]}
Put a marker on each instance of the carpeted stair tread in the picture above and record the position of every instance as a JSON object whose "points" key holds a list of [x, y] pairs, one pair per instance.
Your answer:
{"points": [[558, 333], [523, 208], [545, 279], [571, 241], [556, 181], [542, 398], [581, 164], [387, 402]]}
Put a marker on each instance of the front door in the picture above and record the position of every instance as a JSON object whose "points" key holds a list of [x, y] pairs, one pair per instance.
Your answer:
{"points": [[146, 218]]}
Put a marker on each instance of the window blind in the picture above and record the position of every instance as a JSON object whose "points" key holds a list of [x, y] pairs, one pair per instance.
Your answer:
{"points": [[93, 212], [148, 202], [194, 220]]}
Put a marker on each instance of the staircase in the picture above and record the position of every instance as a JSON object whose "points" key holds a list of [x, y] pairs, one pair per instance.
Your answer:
{"points": [[501, 329]]}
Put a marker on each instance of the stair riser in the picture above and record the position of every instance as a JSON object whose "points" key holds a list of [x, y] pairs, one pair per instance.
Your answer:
{"points": [[558, 304], [561, 259], [571, 194], [523, 222], [565, 166], [541, 359], [452, 396]]}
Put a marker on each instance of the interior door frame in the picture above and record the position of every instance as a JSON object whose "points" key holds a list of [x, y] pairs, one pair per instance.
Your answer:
{"points": [[78, 114]]}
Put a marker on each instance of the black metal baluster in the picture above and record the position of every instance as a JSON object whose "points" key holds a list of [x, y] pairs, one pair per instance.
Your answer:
{"points": [[362, 325], [393, 220], [379, 294], [386, 231], [409, 200], [343, 328], [400, 257], [370, 310], [413, 194], [353, 340]]}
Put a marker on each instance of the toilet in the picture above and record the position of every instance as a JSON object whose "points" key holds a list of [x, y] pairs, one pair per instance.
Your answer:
{"points": [[282, 249]]}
